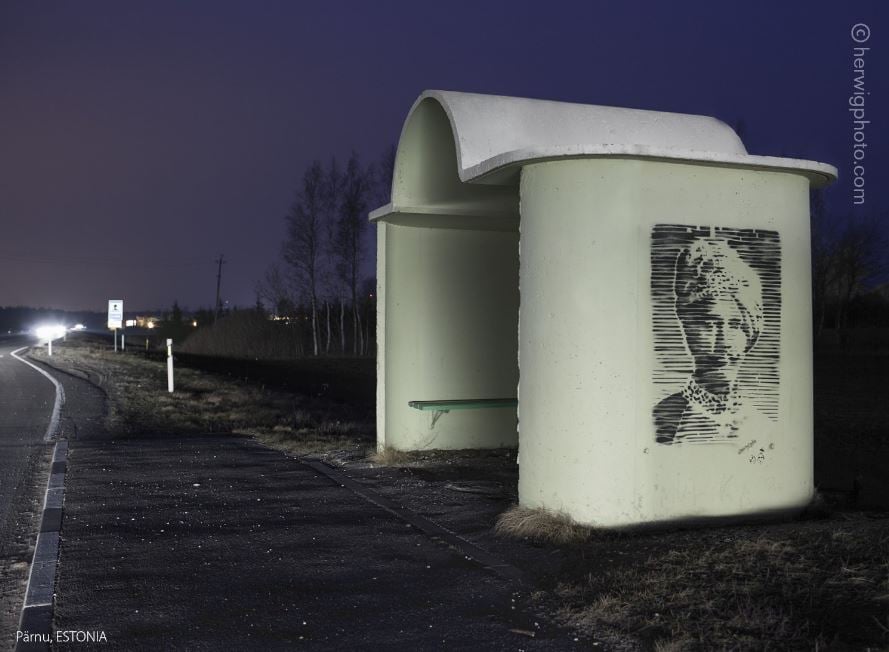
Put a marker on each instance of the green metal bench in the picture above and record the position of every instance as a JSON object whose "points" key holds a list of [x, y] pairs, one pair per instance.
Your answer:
{"points": [[464, 404]]}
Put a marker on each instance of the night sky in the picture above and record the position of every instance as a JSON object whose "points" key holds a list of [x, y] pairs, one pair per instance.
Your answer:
{"points": [[139, 140]]}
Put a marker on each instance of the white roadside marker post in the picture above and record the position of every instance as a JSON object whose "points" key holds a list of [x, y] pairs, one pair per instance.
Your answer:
{"points": [[115, 339], [170, 366], [49, 346], [123, 341]]}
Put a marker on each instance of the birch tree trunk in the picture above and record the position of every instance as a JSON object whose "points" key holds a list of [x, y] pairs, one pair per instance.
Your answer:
{"points": [[314, 326], [327, 345], [342, 325]]}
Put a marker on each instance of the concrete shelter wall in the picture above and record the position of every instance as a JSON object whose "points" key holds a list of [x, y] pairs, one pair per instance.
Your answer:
{"points": [[425, 174], [450, 312], [594, 365]]}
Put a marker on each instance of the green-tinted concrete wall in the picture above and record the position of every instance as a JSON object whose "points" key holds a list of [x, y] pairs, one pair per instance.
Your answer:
{"points": [[607, 348], [449, 300]]}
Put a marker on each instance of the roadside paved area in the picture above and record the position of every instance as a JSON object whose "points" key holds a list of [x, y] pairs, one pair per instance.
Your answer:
{"points": [[26, 403], [218, 543]]}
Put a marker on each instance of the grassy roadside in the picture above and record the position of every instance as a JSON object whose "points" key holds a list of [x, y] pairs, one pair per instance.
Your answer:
{"points": [[139, 403], [821, 583], [809, 585]]}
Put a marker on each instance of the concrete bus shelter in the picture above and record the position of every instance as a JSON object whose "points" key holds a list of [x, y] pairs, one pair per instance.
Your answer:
{"points": [[623, 294]]}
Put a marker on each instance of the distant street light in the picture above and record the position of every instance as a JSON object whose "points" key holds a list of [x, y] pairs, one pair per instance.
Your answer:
{"points": [[50, 333]]}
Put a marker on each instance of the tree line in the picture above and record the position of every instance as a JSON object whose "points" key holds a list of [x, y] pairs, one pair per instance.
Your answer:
{"points": [[848, 259], [319, 283], [320, 275]]}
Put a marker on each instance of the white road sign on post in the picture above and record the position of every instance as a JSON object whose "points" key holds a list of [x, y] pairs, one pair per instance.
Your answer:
{"points": [[115, 313]]}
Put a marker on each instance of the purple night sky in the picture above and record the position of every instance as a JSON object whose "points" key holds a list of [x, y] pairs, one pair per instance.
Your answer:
{"points": [[139, 140]]}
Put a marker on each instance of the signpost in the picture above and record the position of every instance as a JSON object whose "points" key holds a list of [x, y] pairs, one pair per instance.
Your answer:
{"points": [[115, 317]]}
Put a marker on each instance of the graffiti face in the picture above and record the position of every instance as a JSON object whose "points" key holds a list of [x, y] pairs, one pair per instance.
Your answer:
{"points": [[716, 337], [713, 292]]}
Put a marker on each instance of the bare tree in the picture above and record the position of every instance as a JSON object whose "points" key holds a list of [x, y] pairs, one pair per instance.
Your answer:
{"points": [[859, 258], [342, 324], [333, 187], [276, 290], [302, 247], [323, 249], [348, 236], [823, 258], [327, 343], [382, 181]]}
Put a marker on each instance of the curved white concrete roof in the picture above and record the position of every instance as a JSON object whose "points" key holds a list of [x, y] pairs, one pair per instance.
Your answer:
{"points": [[488, 126], [492, 132], [494, 136]]}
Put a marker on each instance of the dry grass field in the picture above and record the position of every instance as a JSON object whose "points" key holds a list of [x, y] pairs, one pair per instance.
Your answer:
{"points": [[139, 403], [810, 584]]}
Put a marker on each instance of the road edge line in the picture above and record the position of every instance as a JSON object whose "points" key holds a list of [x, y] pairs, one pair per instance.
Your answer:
{"points": [[53, 426], [37, 608]]}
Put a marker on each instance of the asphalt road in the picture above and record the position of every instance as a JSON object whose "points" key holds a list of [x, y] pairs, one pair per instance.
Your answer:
{"points": [[26, 404], [174, 542]]}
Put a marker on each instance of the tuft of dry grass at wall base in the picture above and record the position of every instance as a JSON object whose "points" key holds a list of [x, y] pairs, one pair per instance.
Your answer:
{"points": [[139, 403], [393, 457], [541, 525]]}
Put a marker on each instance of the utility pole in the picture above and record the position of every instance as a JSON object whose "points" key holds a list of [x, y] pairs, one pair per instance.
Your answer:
{"points": [[220, 261]]}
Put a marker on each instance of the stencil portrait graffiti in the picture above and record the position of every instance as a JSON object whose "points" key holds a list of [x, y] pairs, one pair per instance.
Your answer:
{"points": [[716, 317]]}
